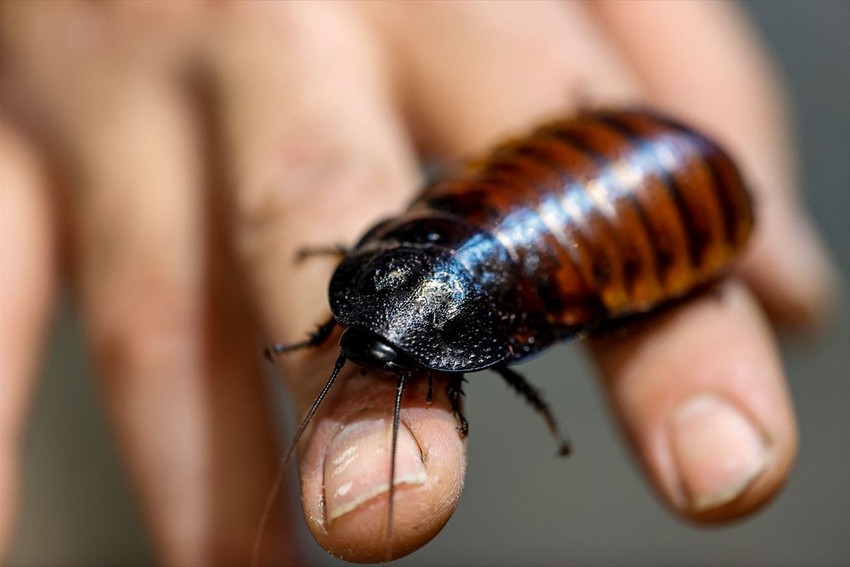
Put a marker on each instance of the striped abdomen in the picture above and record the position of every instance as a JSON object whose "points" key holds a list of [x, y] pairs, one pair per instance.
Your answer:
{"points": [[605, 215]]}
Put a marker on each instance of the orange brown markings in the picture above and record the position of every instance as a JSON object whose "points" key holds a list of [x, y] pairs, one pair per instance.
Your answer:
{"points": [[622, 181], [695, 178], [665, 157], [605, 214], [730, 191], [670, 240], [636, 264], [550, 259], [729, 188], [587, 227]]}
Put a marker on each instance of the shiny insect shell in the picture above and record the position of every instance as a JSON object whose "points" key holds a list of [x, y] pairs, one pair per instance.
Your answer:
{"points": [[582, 223]]}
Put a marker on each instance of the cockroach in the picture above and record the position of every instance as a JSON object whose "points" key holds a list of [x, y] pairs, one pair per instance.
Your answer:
{"points": [[581, 224]]}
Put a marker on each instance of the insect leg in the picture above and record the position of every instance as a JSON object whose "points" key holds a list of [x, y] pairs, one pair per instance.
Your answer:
{"points": [[455, 391], [317, 337], [337, 250], [430, 395], [533, 396]]}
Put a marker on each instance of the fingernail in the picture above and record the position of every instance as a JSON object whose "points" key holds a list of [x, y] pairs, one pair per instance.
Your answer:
{"points": [[719, 452], [357, 464]]}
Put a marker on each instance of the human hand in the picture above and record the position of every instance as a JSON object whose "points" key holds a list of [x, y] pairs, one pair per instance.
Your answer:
{"points": [[309, 98]]}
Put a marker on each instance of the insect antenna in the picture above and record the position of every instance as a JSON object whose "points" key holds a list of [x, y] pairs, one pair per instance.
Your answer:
{"points": [[402, 379], [338, 251], [284, 462]]}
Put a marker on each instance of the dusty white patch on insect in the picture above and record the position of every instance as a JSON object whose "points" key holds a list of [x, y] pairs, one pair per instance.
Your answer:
{"points": [[439, 297]]}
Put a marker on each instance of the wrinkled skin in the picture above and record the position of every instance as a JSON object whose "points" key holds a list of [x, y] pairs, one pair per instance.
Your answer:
{"points": [[166, 160]]}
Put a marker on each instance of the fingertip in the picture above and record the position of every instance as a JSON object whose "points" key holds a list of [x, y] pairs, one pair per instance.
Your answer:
{"points": [[700, 393], [345, 470]]}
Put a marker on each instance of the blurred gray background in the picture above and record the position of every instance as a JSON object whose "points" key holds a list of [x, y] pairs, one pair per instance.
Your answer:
{"points": [[521, 505]]}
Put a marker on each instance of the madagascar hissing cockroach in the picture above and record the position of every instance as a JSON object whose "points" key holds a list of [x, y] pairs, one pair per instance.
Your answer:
{"points": [[583, 223]]}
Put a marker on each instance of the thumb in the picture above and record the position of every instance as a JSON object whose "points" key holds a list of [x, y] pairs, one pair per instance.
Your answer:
{"points": [[312, 164]]}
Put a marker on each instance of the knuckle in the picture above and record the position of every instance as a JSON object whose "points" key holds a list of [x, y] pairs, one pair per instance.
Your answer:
{"points": [[143, 16], [308, 184], [145, 323]]}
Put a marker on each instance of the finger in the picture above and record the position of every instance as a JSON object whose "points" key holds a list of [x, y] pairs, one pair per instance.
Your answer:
{"points": [[468, 81], [314, 157], [701, 61], [567, 32], [700, 392], [27, 286], [173, 351]]}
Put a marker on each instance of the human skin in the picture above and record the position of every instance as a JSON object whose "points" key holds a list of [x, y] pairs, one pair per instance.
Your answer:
{"points": [[166, 160]]}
